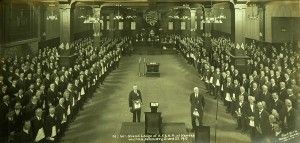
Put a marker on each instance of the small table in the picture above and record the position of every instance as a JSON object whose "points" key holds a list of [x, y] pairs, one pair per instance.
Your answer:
{"points": [[152, 69]]}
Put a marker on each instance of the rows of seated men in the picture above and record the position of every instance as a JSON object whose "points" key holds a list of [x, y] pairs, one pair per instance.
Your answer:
{"points": [[265, 100], [39, 98]]}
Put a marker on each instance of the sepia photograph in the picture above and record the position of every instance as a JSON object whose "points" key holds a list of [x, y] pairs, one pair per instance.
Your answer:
{"points": [[149, 71]]}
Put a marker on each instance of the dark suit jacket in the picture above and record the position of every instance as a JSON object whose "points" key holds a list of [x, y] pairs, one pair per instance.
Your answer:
{"points": [[197, 103], [242, 107], [51, 97], [282, 94], [278, 105], [291, 119], [245, 84], [36, 125], [133, 96], [262, 121], [3, 112], [60, 112], [19, 120], [49, 123], [22, 137], [273, 88]]}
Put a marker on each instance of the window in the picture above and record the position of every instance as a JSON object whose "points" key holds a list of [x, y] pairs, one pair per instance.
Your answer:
{"points": [[107, 25], [170, 26], [121, 25], [196, 25], [182, 25], [132, 25]]}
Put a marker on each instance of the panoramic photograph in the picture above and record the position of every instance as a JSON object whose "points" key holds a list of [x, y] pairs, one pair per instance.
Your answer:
{"points": [[149, 71]]}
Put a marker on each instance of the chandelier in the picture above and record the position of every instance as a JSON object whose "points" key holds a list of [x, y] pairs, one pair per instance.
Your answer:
{"points": [[81, 16], [222, 16], [118, 16], [253, 15], [185, 18], [52, 16], [211, 18], [94, 17], [131, 15]]}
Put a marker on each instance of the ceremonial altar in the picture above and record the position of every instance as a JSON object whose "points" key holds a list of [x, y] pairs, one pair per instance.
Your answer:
{"points": [[152, 69]]}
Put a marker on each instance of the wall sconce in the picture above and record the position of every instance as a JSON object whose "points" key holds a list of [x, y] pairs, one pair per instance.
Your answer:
{"points": [[283, 29]]}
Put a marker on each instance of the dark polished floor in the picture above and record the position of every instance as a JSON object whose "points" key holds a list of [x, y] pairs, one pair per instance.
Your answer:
{"points": [[103, 116]]}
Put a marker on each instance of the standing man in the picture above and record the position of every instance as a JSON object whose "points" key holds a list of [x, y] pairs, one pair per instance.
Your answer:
{"points": [[197, 105], [135, 103]]}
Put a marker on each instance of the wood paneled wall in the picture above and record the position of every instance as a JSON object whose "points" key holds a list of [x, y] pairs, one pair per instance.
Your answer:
{"points": [[279, 9]]}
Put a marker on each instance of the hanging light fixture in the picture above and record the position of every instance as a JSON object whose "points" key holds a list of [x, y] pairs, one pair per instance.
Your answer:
{"points": [[131, 15], [118, 16], [222, 16], [52, 16], [81, 16], [94, 17], [210, 16], [253, 15]]}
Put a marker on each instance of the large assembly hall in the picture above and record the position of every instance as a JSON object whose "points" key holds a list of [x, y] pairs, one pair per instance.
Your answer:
{"points": [[149, 71]]}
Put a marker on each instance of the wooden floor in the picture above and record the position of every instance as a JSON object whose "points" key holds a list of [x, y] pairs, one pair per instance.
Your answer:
{"points": [[103, 116]]}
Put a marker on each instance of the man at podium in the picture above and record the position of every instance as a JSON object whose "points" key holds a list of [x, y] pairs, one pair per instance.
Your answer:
{"points": [[197, 106], [135, 103]]}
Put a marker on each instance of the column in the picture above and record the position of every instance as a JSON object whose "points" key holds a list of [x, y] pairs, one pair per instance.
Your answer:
{"points": [[207, 31], [66, 51], [193, 23], [239, 22], [262, 22], [238, 54], [66, 23], [97, 28]]}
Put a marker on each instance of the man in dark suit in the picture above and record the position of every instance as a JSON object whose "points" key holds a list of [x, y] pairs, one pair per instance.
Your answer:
{"points": [[37, 126], [250, 111], [293, 98], [3, 91], [50, 126], [240, 111], [235, 96], [18, 116], [289, 116], [261, 121], [216, 83], [228, 90], [13, 89], [4, 107], [273, 88], [135, 103], [47, 81], [282, 92], [52, 98], [61, 114], [197, 105], [24, 136], [276, 103], [245, 83]]}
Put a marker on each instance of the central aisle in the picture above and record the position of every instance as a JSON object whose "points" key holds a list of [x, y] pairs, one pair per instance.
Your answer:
{"points": [[103, 115]]}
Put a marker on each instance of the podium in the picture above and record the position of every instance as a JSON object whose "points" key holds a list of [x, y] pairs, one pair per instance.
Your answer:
{"points": [[153, 123], [152, 69]]}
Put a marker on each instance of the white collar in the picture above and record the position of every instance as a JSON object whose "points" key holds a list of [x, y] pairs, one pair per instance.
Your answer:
{"points": [[26, 131]]}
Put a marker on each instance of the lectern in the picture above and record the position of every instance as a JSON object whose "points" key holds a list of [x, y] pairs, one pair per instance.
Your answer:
{"points": [[153, 123], [152, 69]]}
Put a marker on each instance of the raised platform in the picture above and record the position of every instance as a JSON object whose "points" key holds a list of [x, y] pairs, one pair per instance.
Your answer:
{"points": [[172, 133]]}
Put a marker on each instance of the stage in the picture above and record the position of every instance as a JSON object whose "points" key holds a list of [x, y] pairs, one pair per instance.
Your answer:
{"points": [[171, 133]]}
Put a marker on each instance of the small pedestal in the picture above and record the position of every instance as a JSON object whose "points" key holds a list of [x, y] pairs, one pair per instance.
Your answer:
{"points": [[239, 62], [67, 61]]}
